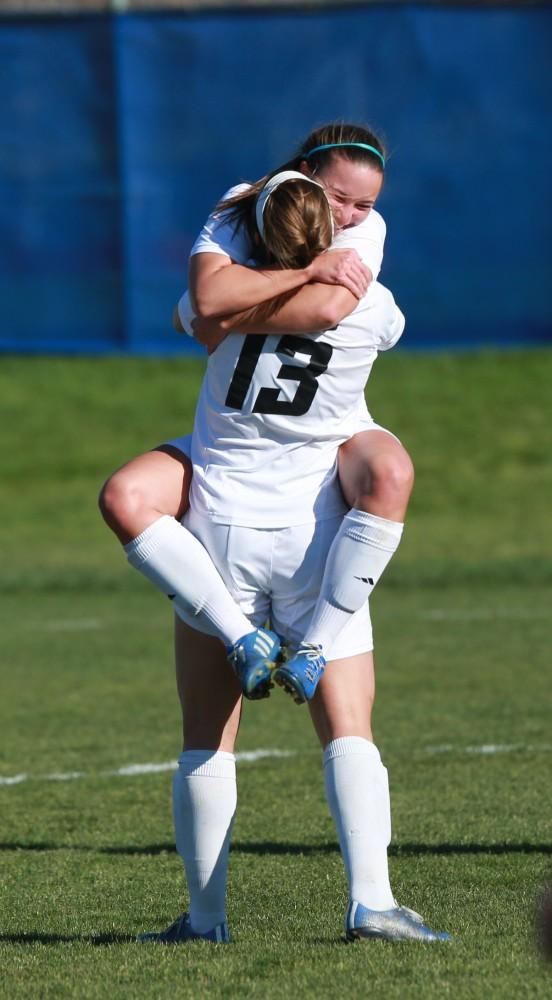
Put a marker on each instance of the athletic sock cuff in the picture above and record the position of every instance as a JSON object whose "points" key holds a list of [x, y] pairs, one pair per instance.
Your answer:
{"points": [[376, 531], [207, 763], [351, 746], [365, 517], [149, 540]]}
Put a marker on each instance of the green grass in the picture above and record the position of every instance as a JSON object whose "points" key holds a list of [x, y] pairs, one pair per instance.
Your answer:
{"points": [[462, 631]]}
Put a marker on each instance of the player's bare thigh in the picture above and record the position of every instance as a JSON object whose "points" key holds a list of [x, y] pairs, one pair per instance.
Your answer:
{"points": [[209, 691], [137, 494], [342, 705], [376, 474]]}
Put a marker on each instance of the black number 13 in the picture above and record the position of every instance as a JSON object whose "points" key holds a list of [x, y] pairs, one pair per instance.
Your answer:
{"points": [[267, 400]]}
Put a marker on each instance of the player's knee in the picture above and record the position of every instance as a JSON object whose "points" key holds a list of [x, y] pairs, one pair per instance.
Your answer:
{"points": [[398, 474], [392, 478], [120, 499]]}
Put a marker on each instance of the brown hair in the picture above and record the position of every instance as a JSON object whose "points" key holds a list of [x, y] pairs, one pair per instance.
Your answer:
{"points": [[297, 226], [338, 133], [297, 223]]}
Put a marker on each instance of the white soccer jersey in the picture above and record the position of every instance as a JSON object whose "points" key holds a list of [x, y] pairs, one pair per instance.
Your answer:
{"points": [[273, 411], [221, 236]]}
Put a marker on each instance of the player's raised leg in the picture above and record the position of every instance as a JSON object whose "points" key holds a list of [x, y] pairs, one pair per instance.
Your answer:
{"points": [[144, 489], [204, 785], [143, 503], [358, 796], [376, 476]]}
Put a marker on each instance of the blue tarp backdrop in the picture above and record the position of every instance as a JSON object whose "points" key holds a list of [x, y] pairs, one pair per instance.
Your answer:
{"points": [[118, 133]]}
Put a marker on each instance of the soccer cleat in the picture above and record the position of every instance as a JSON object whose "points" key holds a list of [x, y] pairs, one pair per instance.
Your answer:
{"points": [[253, 658], [300, 675], [398, 924], [181, 930]]}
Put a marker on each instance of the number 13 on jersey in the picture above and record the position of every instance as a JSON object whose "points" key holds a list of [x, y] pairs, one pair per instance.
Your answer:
{"points": [[306, 376]]}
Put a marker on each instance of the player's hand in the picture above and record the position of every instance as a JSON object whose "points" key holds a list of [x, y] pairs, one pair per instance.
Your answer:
{"points": [[342, 267], [208, 332]]}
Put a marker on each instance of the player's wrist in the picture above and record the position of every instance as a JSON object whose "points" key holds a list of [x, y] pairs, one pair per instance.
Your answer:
{"points": [[310, 271], [294, 277]]}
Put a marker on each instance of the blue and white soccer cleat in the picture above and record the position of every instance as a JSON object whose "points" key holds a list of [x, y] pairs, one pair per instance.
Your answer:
{"points": [[181, 931], [300, 675], [398, 924], [253, 658]]}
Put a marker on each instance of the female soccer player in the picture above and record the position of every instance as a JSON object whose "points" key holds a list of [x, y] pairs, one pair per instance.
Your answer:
{"points": [[275, 472], [143, 501]]}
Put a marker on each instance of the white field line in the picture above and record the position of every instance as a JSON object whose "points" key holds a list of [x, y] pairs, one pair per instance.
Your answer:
{"points": [[429, 614], [70, 625], [482, 614], [489, 748], [250, 756], [131, 770]]}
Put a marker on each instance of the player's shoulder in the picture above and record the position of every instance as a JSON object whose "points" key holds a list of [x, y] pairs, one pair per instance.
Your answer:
{"points": [[216, 216], [378, 298], [222, 235], [233, 191]]}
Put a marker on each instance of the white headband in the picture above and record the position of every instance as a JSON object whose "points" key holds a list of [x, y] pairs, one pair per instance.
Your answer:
{"points": [[270, 186]]}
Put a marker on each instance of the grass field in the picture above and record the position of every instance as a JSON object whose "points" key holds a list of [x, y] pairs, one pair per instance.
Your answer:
{"points": [[463, 717]]}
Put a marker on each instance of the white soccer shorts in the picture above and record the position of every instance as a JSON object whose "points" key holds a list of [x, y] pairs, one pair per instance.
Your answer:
{"points": [[275, 575]]}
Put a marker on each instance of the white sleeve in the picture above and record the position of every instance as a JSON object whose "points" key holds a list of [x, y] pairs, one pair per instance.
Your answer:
{"points": [[222, 236], [367, 239], [186, 314], [394, 331], [393, 321]]}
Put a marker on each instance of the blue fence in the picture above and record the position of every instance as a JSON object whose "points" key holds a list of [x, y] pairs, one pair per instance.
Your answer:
{"points": [[118, 133]]}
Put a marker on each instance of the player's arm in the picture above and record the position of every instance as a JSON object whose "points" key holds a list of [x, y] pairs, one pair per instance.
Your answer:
{"points": [[220, 287], [314, 307], [307, 311]]}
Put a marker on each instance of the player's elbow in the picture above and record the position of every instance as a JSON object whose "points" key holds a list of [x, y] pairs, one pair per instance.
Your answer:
{"points": [[331, 314], [204, 308], [204, 303], [335, 306]]}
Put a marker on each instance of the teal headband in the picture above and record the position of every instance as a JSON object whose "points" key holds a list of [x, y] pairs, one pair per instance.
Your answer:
{"points": [[335, 145]]}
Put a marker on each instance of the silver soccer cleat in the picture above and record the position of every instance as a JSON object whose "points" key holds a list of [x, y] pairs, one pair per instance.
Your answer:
{"points": [[398, 924]]}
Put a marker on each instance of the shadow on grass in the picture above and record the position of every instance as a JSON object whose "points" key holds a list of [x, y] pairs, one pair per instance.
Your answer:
{"points": [[278, 848], [98, 940]]}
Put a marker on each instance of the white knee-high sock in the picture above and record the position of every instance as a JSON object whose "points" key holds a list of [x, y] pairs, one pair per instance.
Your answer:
{"points": [[178, 564], [204, 805], [358, 795], [358, 556]]}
